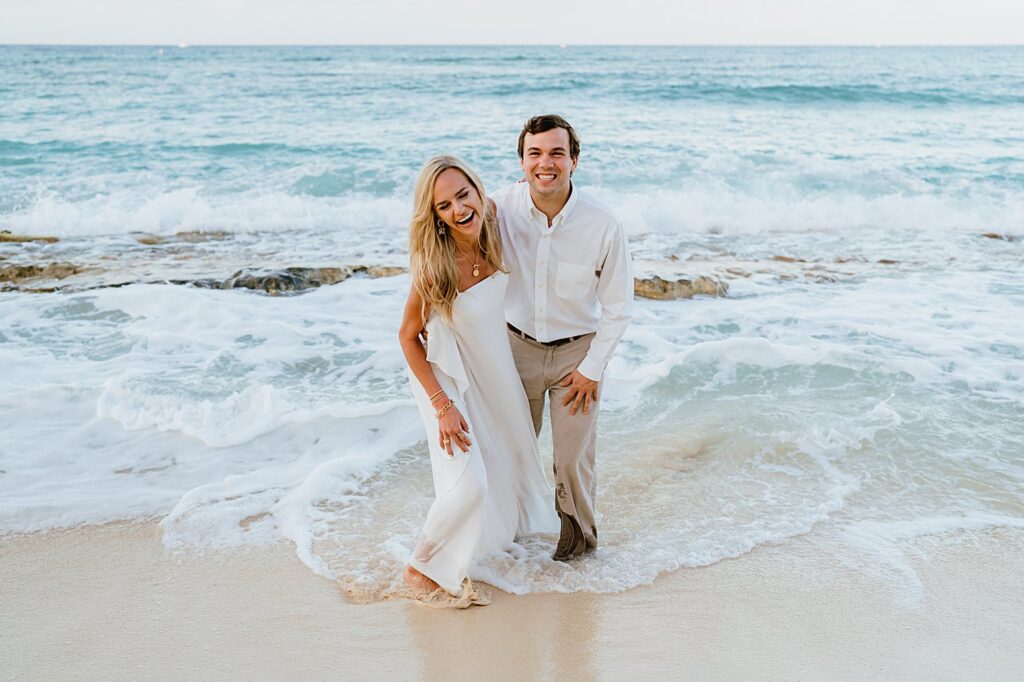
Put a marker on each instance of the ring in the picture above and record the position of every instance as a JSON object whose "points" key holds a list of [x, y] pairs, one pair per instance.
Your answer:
{"points": [[447, 440]]}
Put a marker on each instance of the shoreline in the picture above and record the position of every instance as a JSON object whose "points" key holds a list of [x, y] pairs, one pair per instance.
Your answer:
{"points": [[108, 602]]}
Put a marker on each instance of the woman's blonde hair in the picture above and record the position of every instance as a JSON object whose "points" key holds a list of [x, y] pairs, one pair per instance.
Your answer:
{"points": [[432, 249]]}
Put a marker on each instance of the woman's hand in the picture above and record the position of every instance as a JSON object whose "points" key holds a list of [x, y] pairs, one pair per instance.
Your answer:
{"points": [[453, 431]]}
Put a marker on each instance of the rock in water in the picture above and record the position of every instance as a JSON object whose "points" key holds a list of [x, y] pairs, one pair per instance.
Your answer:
{"points": [[6, 236], [667, 290], [17, 273], [1001, 237], [279, 281], [384, 271]]}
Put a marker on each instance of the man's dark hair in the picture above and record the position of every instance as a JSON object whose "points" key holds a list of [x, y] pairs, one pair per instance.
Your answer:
{"points": [[542, 124]]}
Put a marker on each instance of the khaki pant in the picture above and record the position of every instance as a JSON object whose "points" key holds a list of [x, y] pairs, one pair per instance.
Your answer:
{"points": [[541, 368]]}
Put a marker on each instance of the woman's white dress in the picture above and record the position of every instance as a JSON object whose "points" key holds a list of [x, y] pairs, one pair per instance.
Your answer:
{"points": [[497, 490]]}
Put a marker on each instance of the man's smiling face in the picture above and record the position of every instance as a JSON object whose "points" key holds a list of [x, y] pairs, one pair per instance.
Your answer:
{"points": [[546, 162]]}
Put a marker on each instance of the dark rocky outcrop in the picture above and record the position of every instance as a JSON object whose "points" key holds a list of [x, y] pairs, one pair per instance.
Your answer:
{"points": [[46, 277], [189, 237], [6, 236], [271, 281], [275, 281], [382, 270], [295, 279], [17, 273], [666, 290], [1001, 237]]}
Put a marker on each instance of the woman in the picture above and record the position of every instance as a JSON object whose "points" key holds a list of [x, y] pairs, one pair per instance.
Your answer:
{"points": [[488, 478]]}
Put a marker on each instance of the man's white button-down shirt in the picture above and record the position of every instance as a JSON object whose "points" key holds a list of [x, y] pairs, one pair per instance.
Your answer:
{"points": [[572, 278]]}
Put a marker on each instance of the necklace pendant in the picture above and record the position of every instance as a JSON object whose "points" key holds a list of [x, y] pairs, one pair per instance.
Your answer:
{"points": [[476, 270]]}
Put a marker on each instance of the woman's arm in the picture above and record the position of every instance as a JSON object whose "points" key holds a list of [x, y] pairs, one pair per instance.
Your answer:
{"points": [[412, 347], [451, 425]]}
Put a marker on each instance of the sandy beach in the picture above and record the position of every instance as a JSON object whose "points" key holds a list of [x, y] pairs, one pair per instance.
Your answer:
{"points": [[108, 602]]}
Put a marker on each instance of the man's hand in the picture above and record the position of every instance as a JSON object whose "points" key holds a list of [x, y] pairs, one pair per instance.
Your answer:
{"points": [[581, 389]]}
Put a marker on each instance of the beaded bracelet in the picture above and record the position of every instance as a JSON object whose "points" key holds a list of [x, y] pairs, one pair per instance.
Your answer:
{"points": [[441, 412]]}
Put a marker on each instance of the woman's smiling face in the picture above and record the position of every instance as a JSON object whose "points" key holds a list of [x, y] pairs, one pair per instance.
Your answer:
{"points": [[457, 202]]}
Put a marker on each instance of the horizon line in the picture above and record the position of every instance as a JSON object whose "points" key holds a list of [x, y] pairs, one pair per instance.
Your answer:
{"points": [[184, 44]]}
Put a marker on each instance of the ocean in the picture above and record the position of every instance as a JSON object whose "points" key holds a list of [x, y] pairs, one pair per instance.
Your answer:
{"points": [[858, 391]]}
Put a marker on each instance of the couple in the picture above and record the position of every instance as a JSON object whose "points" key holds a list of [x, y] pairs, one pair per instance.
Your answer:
{"points": [[513, 299]]}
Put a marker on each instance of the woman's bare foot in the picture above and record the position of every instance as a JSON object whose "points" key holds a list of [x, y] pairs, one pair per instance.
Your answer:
{"points": [[417, 582]]}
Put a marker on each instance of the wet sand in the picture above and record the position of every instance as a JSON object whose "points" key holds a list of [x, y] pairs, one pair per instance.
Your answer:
{"points": [[108, 602]]}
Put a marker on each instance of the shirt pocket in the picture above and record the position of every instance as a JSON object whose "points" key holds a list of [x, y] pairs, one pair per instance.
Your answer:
{"points": [[574, 281]]}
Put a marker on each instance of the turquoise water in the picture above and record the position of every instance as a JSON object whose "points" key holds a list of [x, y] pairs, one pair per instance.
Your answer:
{"points": [[104, 140]]}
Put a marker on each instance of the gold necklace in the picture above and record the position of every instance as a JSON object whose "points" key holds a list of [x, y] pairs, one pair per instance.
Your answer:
{"points": [[476, 266]]}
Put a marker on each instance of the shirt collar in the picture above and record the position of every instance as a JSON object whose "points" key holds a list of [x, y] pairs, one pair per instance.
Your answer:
{"points": [[563, 215]]}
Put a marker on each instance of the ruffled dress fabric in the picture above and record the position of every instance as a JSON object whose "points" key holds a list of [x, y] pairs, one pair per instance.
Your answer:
{"points": [[497, 491]]}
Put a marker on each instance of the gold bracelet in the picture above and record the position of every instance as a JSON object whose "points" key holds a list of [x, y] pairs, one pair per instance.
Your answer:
{"points": [[437, 395], [441, 412]]}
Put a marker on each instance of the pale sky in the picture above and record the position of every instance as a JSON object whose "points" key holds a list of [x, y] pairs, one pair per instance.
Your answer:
{"points": [[463, 22]]}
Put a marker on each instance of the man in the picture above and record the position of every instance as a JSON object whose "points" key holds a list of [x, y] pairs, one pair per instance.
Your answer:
{"points": [[569, 300]]}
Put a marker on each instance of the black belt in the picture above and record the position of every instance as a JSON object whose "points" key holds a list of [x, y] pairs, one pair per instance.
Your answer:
{"points": [[557, 342]]}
